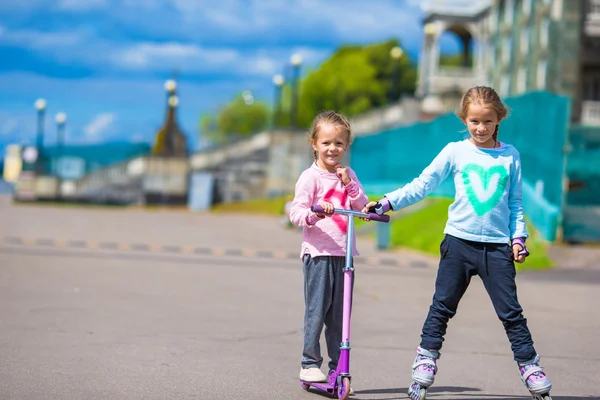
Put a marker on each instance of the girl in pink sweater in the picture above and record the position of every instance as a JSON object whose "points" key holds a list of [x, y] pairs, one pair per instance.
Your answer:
{"points": [[330, 184]]}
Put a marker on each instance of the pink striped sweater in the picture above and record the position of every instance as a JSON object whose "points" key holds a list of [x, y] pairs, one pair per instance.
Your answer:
{"points": [[325, 236]]}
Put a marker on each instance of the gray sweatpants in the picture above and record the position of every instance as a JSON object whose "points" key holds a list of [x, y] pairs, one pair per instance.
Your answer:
{"points": [[323, 305]]}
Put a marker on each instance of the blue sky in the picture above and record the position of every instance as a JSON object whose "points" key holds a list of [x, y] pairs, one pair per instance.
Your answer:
{"points": [[104, 62]]}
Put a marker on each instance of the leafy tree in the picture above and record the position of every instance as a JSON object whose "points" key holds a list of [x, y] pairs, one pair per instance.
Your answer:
{"points": [[355, 79], [240, 118]]}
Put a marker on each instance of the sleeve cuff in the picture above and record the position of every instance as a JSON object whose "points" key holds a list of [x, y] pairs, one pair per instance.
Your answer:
{"points": [[519, 240], [352, 188], [385, 203], [312, 218]]}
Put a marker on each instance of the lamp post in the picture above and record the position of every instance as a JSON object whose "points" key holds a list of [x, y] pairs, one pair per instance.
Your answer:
{"points": [[61, 120], [395, 53], [296, 62], [40, 106], [170, 86], [278, 81]]}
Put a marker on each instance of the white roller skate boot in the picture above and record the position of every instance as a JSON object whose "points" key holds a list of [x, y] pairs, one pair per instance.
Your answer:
{"points": [[535, 380], [423, 374]]}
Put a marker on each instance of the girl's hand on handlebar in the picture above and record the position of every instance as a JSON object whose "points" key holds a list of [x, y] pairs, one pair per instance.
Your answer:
{"points": [[369, 205], [327, 207], [366, 208]]}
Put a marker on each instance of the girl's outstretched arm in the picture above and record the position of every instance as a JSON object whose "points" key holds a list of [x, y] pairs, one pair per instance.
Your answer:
{"points": [[300, 213], [517, 226], [430, 178]]}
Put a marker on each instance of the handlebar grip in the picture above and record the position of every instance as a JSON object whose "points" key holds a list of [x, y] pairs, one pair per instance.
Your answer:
{"points": [[317, 209], [379, 218], [372, 216]]}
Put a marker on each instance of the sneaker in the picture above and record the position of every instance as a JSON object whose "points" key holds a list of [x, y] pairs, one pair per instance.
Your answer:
{"points": [[535, 379], [312, 375]]}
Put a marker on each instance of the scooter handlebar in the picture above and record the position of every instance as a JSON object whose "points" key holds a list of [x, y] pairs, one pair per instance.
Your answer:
{"points": [[379, 218], [371, 216]]}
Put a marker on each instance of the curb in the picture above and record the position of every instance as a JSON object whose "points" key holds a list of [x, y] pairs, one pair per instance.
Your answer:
{"points": [[190, 250]]}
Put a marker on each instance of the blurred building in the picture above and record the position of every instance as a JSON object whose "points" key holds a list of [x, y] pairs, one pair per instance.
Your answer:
{"points": [[526, 46], [441, 86], [516, 46], [551, 45]]}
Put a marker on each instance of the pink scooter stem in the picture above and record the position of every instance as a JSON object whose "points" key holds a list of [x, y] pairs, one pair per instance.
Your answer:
{"points": [[339, 380], [344, 362]]}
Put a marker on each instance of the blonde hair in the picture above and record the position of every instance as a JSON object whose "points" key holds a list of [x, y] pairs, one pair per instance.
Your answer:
{"points": [[483, 96], [333, 118]]}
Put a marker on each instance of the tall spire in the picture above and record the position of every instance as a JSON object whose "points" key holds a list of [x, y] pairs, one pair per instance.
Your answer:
{"points": [[170, 141]]}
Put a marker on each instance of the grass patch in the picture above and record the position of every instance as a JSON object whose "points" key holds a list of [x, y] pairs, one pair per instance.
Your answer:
{"points": [[264, 206], [423, 230]]}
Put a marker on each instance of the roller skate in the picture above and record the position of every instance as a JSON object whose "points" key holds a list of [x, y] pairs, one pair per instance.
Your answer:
{"points": [[423, 374], [535, 380]]}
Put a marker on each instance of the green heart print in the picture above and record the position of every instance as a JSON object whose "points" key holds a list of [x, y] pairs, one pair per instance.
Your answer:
{"points": [[482, 207]]}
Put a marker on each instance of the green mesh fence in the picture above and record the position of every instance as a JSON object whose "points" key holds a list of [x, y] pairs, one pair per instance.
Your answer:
{"points": [[583, 167], [581, 216], [536, 126]]}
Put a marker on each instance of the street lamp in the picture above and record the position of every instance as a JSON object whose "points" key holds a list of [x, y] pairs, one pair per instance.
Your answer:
{"points": [[173, 101], [61, 120], [296, 62], [170, 86], [40, 106], [248, 97], [395, 53], [278, 81]]}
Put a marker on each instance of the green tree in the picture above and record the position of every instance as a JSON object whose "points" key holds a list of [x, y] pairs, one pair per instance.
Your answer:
{"points": [[355, 79], [240, 118]]}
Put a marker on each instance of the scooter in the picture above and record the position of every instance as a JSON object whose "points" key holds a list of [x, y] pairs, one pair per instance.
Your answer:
{"points": [[339, 379]]}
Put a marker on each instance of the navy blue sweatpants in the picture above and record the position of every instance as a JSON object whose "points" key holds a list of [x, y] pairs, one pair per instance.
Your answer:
{"points": [[461, 259]]}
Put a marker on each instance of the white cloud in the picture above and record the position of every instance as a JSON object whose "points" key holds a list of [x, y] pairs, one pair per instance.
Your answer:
{"points": [[193, 58], [9, 126], [35, 39], [367, 21], [263, 65], [21, 5], [235, 21], [81, 5], [167, 55], [17, 126], [101, 124]]}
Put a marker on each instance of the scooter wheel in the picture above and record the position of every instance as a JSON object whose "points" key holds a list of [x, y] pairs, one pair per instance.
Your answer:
{"points": [[344, 389], [305, 385]]}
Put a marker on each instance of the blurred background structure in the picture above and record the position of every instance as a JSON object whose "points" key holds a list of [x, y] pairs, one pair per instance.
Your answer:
{"points": [[543, 57]]}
